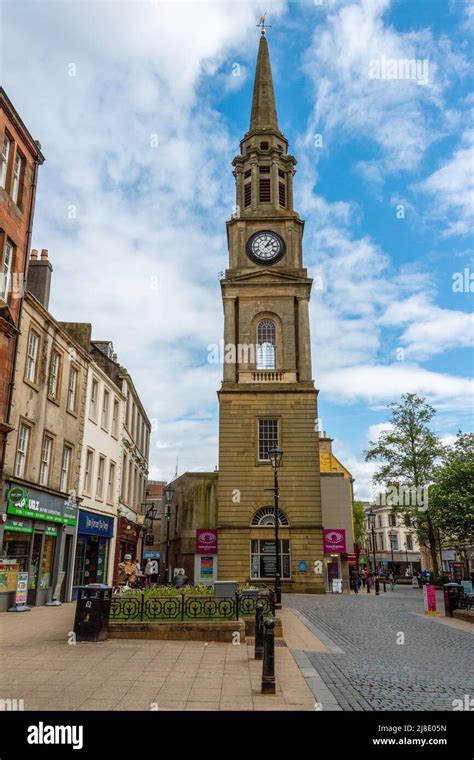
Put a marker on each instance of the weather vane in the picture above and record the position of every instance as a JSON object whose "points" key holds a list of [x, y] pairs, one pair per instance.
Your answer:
{"points": [[262, 23]]}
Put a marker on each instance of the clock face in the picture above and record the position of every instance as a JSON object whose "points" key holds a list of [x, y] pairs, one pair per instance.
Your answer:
{"points": [[265, 247]]}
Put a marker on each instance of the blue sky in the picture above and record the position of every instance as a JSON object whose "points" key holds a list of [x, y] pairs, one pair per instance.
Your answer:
{"points": [[139, 143]]}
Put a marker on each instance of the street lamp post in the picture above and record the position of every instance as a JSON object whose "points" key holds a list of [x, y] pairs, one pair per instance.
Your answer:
{"points": [[391, 536], [371, 516], [406, 552], [169, 493], [275, 454]]}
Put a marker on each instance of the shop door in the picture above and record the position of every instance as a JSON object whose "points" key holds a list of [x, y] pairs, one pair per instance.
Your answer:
{"points": [[34, 567], [333, 573], [95, 566]]}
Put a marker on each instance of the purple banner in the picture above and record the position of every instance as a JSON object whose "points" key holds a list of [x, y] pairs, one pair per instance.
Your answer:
{"points": [[334, 540], [206, 541]]}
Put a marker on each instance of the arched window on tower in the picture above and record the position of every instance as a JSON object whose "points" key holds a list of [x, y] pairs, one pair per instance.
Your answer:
{"points": [[266, 344]]}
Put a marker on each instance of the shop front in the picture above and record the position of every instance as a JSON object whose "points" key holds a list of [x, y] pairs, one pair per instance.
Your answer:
{"points": [[128, 536], [94, 535], [336, 560], [37, 538]]}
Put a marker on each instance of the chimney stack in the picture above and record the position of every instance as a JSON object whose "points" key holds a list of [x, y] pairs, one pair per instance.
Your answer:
{"points": [[39, 277]]}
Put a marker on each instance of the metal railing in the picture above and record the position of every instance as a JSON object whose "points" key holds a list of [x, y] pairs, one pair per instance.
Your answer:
{"points": [[464, 601], [142, 607]]}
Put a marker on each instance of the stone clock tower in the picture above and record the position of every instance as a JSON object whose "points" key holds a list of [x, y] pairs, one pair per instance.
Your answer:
{"points": [[267, 396]]}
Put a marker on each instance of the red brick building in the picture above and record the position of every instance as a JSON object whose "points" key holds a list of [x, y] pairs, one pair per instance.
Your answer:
{"points": [[20, 157]]}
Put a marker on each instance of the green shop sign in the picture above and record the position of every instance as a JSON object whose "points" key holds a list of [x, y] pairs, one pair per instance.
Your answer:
{"points": [[24, 502], [19, 526]]}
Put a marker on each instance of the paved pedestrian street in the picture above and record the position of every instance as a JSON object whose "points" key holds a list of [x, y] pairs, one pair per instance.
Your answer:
{"points": [[366, 669], [339, 652], [40, 667]]}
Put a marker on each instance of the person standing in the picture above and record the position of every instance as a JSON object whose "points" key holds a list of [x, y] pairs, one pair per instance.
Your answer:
{"points": [[149, 568], [391, 577]]}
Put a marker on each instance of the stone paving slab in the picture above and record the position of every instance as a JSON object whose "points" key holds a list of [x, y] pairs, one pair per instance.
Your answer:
{"points": [[38, 665]]}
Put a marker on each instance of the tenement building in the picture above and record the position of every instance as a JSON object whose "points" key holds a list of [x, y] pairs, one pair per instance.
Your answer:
{"points": [[79, 444], [99, 482], [43, 453], [267, 398], [20, 159]]}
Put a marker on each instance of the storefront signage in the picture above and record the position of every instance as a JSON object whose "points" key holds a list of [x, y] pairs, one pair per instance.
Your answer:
{"points": [[207, 568], [19, 526], [206, 541], [8, 575], [151, 555], [40, 506], [429, 598], [302, 567], [21, 589], [334, 540], [94, 524]]}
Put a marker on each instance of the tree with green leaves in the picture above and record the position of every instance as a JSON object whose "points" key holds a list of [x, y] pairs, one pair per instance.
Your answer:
{"points": [[408, 451], [451, 496], [358, 514]]}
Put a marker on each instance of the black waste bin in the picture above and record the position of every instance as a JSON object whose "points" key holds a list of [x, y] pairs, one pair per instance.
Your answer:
{"points": [[452, 592], [92, 612]]}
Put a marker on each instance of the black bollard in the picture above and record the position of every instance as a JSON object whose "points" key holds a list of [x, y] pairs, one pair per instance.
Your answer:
{"points": [[268, 670], [377, 585], [259, 631], [368, 586]]}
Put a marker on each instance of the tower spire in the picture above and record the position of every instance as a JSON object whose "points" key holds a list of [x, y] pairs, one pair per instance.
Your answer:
{"points": [[264, 112]]}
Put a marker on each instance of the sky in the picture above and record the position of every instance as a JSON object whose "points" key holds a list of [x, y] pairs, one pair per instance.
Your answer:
{"points": [[140, 107]]}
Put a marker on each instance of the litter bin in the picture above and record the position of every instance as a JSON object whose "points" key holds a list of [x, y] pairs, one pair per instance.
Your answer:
{"points": [[92, 612], [452, 592], [225, 589]]}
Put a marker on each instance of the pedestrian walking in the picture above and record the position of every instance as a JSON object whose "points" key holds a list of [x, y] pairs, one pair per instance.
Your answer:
{"points": [[149, 569], [355, 582], [391, 577]]}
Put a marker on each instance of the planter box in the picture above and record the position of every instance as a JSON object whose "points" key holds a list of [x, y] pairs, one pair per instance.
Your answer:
{"points": [[201, 630], [466, 615]]}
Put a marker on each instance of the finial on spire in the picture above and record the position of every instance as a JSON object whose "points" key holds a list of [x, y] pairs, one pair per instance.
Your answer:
{"points": [[263, 25]]}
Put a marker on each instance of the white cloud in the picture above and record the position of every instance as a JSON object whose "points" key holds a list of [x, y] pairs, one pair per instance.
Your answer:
{"points": [[390, 113], [431, 330], [377, 383], [140, 260], [451, 189]]}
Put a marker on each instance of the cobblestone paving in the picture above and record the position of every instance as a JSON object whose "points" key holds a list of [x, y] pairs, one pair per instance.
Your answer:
{"points": [[434, 666]]}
